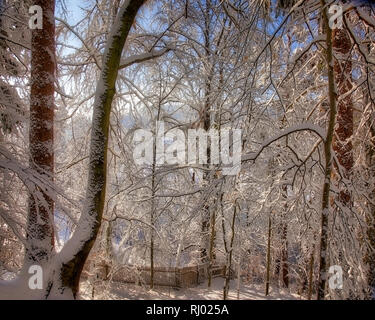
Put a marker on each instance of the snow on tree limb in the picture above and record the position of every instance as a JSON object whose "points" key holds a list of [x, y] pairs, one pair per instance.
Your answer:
{"points": [[302, 127], [143, 57]]}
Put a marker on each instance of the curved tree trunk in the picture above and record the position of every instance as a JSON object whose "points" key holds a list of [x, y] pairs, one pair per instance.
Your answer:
{"points": [[76, 251]]}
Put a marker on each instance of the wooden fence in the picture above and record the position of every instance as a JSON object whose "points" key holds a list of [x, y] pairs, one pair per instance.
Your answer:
{"points": [[163, 276]]}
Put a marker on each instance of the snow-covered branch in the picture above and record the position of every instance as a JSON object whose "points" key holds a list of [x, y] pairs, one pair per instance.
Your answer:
{"points": [[302, 127], [143, 57]]}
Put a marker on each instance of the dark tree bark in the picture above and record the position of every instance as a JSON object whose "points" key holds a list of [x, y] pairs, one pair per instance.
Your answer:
{"points": [[229, 254], [323, 257], [369, 258], [369, 142], [268, 254], [311, 273], [342, 141], [284, 243], [40, 231], [206, 124]]}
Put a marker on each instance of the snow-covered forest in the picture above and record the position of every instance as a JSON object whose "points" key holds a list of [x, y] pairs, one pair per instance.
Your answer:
{"points": [[187, 149]]}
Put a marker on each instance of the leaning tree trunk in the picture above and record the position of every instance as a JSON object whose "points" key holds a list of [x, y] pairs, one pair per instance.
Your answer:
{"points": [[76, 251], [322, 277], [40, 231]]}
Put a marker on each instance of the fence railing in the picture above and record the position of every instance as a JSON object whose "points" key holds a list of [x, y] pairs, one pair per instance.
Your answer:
{"points": [[163, 276]]}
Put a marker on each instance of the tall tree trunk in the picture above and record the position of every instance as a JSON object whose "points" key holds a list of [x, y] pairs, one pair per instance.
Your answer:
{"points": [[159, 130], [284, 243], [212, 246], [76, 251], [284, 257], [108, 250], [229, 253], [369, 143], [369, 258], [40, 231], [311, 273], [152, 220], [206, 124], [268, 255], [342, 140], [322, 277]]}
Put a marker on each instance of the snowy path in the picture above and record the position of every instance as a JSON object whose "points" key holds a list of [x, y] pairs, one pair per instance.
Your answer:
{"points": [[119, 291]]}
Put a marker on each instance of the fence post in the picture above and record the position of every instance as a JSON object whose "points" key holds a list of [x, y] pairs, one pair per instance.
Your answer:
{"points": [[197, 274], [176, 276]]}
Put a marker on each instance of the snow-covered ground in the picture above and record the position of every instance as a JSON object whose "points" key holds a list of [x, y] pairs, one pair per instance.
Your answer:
{"points": [[6, 275], [121, 291]]}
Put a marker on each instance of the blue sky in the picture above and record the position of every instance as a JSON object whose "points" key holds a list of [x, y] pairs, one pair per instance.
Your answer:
{"points": [[75, 14], [73, 7]]}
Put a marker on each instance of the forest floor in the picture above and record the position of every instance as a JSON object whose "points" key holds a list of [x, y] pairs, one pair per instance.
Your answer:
{"points": [[124, 291]]}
